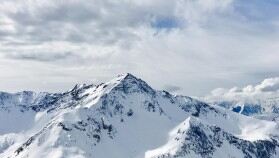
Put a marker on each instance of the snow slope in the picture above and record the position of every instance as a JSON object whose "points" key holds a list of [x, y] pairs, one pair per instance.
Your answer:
{"points": [[126, 118]]}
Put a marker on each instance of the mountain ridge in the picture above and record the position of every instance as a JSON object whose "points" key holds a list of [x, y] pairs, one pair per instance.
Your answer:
{"points": [[130, 119]]}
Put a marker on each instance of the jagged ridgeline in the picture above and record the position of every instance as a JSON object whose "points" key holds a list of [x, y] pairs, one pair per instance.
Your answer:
{"points": [[126, 118]]}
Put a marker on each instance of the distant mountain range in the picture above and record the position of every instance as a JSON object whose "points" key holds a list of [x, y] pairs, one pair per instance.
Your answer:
{"points": [[260, 101], [126, 118]]}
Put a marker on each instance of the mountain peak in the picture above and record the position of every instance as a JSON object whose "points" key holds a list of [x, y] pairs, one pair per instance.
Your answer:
{"points": [[120, 116], [126, 76], [130, 83]]}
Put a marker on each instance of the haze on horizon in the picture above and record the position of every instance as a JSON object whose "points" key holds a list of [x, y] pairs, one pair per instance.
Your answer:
{"points": [[188, 47]]}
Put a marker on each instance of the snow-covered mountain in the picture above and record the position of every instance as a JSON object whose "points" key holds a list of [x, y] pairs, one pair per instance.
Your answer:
{"points": [[126, 118], [254, 106]]}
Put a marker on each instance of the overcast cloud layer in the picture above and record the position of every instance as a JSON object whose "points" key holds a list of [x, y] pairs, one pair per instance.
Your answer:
{"points": [[185, 46]]}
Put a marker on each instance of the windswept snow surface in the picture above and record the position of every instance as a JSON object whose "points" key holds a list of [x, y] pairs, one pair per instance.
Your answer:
{"points": [[126, 118]]}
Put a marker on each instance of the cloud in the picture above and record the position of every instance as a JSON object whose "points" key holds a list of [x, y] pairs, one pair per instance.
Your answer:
{"points": [[196, 44], [99, 21], [45, 57], [172, 88], [268, 85], [267, 89]]}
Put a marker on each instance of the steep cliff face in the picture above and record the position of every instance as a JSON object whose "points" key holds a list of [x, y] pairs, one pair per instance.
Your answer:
{"points": [[125, 117]]}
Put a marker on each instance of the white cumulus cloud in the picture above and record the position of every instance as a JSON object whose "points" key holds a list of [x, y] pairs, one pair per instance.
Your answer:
{"points": [[267, 89]]}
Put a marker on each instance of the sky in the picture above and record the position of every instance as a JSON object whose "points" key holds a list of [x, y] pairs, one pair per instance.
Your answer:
{"points": [[184, 46]]}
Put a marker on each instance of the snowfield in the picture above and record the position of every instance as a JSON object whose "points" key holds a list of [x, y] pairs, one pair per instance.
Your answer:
{"points": [[126, 118]]}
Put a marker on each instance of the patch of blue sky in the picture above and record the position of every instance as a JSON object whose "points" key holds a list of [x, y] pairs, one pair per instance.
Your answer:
{"points": [[165, 23], [258, 10]]}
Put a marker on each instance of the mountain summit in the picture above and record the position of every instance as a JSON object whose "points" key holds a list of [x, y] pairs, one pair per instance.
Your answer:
{"points": [[126, 118]]}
